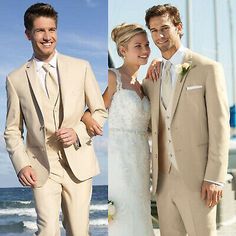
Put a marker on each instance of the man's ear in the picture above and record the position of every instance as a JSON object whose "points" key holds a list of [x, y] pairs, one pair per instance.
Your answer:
{"points": [[27, 33], [179, 28]]}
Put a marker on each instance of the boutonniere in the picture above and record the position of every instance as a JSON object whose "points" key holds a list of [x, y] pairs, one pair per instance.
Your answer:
{"points": [[182, 69], [111, 210]]}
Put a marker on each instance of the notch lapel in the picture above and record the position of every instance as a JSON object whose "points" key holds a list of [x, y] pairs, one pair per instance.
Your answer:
{"points": [[180, 83], [35, 86], [64, 85]]}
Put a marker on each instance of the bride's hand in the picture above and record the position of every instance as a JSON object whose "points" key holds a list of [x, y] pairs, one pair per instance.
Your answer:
{"points": [[154, 70], [93, 128]]}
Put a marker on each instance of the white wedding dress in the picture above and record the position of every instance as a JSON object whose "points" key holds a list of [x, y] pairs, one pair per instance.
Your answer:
{"points": [[128, 163]]}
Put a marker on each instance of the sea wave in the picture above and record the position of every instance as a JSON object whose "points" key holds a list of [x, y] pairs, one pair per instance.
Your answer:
{"points": [[96, 222], [30, 225], [101, 207], [18, 211], [99, 222], [16, 204], [31, 211]]}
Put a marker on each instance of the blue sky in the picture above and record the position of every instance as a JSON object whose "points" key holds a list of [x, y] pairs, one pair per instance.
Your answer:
{"points": [[82, 32]]}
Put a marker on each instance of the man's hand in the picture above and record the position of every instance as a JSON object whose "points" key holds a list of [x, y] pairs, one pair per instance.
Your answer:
{"points": [[211, 193], [154, 70], [67, 136], [27, 176]]}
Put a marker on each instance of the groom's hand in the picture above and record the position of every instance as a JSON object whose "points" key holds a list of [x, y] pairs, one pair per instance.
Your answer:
{"points": [[211, 193], [67, 136], [27, 176], [154, 70]]}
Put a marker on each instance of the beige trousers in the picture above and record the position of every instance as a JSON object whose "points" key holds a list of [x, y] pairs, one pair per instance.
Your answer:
{"points": [[181, 211], [63, 191]]}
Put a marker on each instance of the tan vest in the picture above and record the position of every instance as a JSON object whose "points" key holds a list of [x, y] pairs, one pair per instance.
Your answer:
{"points": [[166, 150], [53, 116]]}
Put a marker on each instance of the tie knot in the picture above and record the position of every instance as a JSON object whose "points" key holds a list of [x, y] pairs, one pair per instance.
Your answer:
{"points": [[167, 65], [46, 67]]}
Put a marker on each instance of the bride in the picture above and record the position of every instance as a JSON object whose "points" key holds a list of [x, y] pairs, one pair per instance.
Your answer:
{"points": [[128, 149]]}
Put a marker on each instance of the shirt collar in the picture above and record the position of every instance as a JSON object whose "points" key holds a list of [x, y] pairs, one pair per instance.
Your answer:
{"points": [[52, 62], [178, 57]]}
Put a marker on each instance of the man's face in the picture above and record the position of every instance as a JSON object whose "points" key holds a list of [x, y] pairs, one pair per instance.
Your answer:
{"points": [[165, 35], [43, 37]]}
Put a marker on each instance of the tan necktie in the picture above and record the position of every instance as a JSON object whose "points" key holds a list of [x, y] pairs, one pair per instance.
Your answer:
{"points": [[167, 84], [51, 83]]}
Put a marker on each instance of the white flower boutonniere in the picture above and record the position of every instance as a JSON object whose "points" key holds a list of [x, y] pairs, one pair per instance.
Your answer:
{"points": [[111, 210], [182, 69]]}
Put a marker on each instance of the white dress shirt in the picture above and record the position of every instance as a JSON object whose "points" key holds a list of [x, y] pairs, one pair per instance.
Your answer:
{"points": [[42, 73]]}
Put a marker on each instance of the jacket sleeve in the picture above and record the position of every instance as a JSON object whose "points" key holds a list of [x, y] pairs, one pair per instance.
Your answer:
{"points": [[218, 124], [95, 104], [14, 130]]}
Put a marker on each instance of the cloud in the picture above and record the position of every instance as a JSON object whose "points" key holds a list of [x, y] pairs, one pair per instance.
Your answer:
{"points": [[94, 45], [91, 3]]}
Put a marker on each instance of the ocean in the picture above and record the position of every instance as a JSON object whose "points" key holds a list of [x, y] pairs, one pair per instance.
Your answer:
{"points": [[18, 217]]}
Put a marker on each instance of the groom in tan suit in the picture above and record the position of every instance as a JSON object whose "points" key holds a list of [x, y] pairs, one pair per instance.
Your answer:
{"points": [[47, 96], [190, 130]]}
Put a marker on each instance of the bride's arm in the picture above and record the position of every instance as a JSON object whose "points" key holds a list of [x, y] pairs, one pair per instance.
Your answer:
{"points": [[92, 126]]}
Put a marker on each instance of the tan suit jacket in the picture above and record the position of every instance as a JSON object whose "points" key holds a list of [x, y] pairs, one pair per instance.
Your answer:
{"points": [[78, 89], [199, 123]]}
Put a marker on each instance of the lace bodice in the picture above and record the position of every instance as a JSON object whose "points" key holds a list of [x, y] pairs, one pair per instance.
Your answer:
{"points": [[136, 111]]}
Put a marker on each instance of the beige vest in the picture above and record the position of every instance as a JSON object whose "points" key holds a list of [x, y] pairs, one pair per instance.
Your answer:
{"points": [[53, 116], [165, 143]]}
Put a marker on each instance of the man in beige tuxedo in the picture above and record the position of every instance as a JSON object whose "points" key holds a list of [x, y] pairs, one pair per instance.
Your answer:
{"points": [[48, 95], [190, 130]]}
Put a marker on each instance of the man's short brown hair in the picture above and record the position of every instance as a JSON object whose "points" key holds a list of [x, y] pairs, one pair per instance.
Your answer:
{"points": [[161, 10]]}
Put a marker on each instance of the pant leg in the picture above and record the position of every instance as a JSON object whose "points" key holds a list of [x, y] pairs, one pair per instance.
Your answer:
{"points": [[76, 197], [203, 218], [182, 209], [47, 205], [170, 220]]}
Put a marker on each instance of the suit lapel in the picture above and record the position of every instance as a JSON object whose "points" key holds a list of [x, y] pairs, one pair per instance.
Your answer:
{"points": [[180, 83], [35, 85], [64, 85]]}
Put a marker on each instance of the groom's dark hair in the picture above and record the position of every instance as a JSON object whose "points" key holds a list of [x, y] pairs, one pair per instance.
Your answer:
{"points": [[37, 10], [161, 10]]}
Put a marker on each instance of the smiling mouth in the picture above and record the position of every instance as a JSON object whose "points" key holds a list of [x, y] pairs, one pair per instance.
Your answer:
{"points": [[160, 43], [143, 57], [47, 44]]}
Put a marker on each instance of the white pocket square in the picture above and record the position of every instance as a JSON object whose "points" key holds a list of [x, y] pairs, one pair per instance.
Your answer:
{"points": [[194, 87]]}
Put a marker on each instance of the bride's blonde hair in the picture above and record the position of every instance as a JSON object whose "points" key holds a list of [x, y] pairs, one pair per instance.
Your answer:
{"points": [[121, 34]]}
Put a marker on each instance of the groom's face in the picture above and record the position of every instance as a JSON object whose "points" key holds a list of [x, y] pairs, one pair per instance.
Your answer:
{"points": [[165, 35]]}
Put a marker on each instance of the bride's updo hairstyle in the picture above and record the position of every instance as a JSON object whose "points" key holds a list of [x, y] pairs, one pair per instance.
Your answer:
{"points": [[121, 34]]}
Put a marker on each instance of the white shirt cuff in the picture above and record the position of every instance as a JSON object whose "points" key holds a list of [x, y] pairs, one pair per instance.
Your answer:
{"points": [[217, 183]]}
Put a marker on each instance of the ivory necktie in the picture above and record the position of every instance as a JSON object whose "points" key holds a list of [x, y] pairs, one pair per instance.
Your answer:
{"points": [[166, 84], [51, 84]]}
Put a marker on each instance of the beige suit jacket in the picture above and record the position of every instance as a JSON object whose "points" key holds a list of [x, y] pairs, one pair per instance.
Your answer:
{"points": [[199, 123], [24, 108]]}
